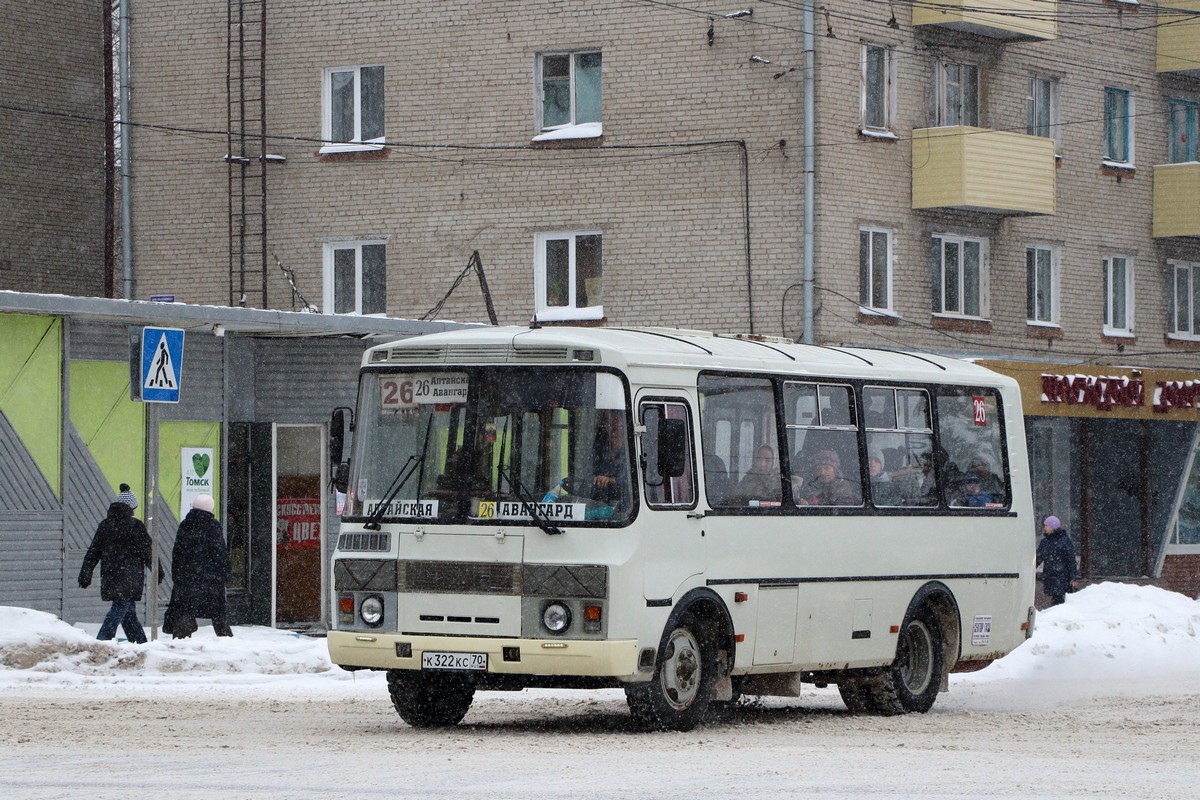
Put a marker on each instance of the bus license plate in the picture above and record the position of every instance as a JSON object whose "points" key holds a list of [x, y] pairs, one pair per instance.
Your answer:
{"points": [[459, 661]]}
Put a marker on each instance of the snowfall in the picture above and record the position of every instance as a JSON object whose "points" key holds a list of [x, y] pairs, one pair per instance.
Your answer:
{"points": [[1102, 701]]}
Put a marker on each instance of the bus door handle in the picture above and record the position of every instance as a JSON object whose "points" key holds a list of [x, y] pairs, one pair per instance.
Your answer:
{"points": [[695, 515]]}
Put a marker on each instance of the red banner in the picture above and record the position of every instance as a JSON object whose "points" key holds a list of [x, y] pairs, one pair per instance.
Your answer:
{"points": [[298, 523]]}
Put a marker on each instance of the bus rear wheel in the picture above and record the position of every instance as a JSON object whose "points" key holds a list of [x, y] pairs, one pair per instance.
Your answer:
{"points": [[678, 696], [912, 681], [430, 700]]}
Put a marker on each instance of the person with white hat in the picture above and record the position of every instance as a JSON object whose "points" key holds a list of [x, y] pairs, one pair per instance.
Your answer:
{"points": [[200, 569]]}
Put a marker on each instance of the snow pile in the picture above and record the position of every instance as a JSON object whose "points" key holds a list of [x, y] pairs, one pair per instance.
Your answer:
{"points": [[1108, 639], [36, 647]]}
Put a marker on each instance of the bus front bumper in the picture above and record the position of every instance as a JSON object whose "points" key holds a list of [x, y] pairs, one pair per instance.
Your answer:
{"points": [[558, 657]]}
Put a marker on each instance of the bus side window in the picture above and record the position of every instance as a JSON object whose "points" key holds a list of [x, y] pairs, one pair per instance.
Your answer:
{"points": [[741, 443], [969, 427]]}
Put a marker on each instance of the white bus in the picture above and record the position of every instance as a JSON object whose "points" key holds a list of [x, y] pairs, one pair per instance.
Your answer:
{"points": [[688, 516]]}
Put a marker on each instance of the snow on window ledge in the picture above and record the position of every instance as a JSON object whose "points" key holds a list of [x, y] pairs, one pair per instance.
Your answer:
{"points": [[1119, 333], [1125, 165], [875, 133], [1041, 323], [568, 314], [349, 147], [877, 312], [586, 130]]}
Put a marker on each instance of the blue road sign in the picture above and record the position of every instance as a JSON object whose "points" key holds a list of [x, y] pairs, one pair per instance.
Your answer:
{"points": [[162, 364]]}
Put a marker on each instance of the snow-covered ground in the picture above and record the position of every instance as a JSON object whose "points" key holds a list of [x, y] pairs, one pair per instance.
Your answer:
{"points": [[1103, 701]]}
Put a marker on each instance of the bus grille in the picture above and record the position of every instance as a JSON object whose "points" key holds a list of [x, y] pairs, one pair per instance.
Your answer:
{"points": [[364, 575], [557, 580], [365, 542], [459, 577]]}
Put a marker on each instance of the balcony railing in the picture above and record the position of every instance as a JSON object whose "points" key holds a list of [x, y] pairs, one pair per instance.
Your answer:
{"points": [[1179, 37], [1014, 20], [1176, 200], [982, 170]]}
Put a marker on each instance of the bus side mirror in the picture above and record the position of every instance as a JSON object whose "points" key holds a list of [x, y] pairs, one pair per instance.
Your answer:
{"points": [[672, 447], [337, 446]]}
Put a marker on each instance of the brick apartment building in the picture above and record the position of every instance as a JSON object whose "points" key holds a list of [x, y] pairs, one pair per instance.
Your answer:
{"points": [[52, 168], [1016, 181]]}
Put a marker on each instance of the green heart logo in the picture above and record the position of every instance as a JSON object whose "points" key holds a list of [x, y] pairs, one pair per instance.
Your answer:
{"points": [[200, 462]]}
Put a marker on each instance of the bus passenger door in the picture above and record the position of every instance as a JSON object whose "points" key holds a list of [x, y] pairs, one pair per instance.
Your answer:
{"points": [[672, 535]]}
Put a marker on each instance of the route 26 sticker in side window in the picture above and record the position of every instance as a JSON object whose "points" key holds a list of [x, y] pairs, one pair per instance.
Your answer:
{"points": [[401, 392]]}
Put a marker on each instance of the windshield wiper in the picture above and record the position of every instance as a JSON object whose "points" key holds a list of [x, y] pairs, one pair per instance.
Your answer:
{"points": [[413, 464], [539, 519], [523, 495]]}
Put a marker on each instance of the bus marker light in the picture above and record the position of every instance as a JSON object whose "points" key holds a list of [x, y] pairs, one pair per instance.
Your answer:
{"points": [[739, 637], [1024, 626], [740, 597], [554, 645], [346, 605], [591, 618], [894, 629], [364, 638]]}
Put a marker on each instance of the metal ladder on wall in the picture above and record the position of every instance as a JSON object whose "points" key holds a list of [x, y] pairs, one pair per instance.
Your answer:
{"points": [[246, 154]]}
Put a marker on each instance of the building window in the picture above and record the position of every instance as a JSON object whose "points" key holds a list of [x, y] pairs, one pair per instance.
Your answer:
{"points": [[875, 269], [959, 276], [878, 96], [353, 109], [355, 278], [1185, 128], [955, 94], [1185, 299], [1041, 105], [568, 269], [1041, 279], [1118, 295], [569, 88], [1118, 126]]}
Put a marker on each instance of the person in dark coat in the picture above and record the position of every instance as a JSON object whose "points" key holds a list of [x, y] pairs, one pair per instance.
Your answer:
{"points": [[122, 548], [200, 569], [1056, 552]]}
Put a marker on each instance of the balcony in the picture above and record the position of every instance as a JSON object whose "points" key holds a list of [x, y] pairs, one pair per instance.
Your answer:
{"points": [[1176, 198], [1179, 38], [1010, 20], [978, 169]]}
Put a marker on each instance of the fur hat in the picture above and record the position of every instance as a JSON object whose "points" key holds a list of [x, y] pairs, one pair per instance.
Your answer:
{"points": [[127, 496], [203, 502], [827, 457], [1053, 522]]}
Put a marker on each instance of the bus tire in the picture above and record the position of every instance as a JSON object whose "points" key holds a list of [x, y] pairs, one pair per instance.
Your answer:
{"points": [[430, 700], [916, 674], [856, 695], [677, 697]]}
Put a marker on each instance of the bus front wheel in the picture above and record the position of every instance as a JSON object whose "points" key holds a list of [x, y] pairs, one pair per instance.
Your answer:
{"points": [[430, 700], [678, 695]]}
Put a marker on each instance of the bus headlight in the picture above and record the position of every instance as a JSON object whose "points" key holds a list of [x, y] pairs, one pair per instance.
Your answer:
{"points": [[371, 610], [556, 616]]}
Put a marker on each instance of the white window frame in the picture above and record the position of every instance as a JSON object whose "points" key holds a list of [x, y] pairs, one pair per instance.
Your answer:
{"points": [[867, 291], [984, 279], [1109, 285], [543, 312], [888, 100], [1111, 120], [940, 109], [1053, 253], [573, 129], [357, 143], [329, 278], [1043, 89], [1192, 270]]}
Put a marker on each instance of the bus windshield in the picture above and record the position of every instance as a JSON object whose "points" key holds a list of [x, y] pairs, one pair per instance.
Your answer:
{"points": [[537, 446]]}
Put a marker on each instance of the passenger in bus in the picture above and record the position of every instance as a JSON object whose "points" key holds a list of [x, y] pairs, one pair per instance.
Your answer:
{"points": [[980, 471], [610, 464], [761, 483], [883, 491], [717, 484], [828, 487]]}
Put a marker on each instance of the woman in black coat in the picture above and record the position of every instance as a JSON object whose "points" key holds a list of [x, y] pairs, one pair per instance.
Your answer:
{"points": [[1056, 553], [200, 569], [122, 548]]}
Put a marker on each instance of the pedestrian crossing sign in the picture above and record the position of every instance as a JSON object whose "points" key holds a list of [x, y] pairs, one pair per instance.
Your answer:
{"points": [[162, 364]]}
